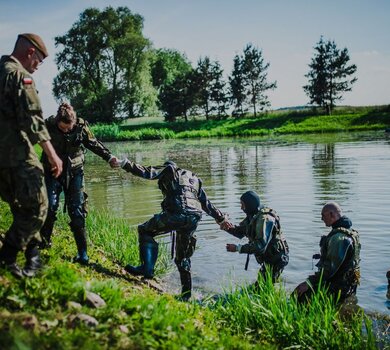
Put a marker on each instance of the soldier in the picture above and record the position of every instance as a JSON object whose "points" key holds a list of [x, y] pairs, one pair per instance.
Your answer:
{"points": [[21, 173], [184, 199], [266, 241], [338, 267], [70, 136]]}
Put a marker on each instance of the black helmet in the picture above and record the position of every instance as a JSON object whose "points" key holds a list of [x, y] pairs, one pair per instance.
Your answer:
{"points": [[251, 201]]}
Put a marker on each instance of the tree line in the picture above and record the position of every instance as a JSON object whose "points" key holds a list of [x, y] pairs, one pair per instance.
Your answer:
{"points": [[109, 71]]}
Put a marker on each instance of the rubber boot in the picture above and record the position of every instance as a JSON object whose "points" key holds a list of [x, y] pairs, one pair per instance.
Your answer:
{"points": [[148, 253], [186, 285], [33, 261], [8, 255], [80, 236], [47, 231]]}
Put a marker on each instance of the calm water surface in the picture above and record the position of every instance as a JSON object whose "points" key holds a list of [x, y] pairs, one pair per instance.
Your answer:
{"points": [[293, 175]]}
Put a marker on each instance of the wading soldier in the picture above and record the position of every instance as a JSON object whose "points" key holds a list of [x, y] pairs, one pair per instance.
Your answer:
{"points": [[184, 200], [21, 174], [266, 241], [338, 267], [70, 136]]}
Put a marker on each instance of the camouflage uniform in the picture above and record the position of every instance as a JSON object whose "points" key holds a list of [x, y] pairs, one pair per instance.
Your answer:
{"points": [[266, 241], [21, 173], [70, 147], [184, 200], [338, 267]]}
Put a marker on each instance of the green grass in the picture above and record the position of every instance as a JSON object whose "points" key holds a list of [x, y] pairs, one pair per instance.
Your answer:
{"points": [[37, 313], [290, 122]]}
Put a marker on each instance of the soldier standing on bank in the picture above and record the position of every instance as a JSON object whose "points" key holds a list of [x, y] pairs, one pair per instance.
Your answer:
{"points": [[70, 136], [21, 174], [266, 241], [338, 267], [184, 200]]}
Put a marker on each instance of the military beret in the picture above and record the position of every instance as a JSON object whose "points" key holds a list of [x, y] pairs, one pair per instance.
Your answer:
{"points": [[37, 41]]}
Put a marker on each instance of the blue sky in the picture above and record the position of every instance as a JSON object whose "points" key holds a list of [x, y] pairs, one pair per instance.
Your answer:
{"points": [[285, 30]]}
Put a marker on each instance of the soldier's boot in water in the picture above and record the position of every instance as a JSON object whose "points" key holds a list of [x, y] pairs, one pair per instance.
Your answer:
{"points": [[148, 254], [8, 255], [33, 261], [388, 286], [80, 236], [186, 285], [47, 231]]}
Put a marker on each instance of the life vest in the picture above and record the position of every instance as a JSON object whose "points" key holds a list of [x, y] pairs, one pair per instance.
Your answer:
{"points": [[267, 235], [180, 189]]}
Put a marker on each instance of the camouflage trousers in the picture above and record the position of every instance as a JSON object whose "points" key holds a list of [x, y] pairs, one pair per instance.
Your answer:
{"points": [[23, 188], [184, 225]]}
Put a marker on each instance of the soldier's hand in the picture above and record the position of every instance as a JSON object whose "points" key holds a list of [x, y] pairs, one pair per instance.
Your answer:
{"points": [[231, 248], [226, 225], [114, 162], [56, 166], [301, 289]]}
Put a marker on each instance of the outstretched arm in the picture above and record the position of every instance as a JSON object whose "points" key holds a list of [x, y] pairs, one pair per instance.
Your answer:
{"points": [[150, 173]]}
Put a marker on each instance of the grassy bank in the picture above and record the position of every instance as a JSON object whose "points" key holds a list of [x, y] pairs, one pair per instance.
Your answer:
{"points": [[343, 120], [44, 312]]}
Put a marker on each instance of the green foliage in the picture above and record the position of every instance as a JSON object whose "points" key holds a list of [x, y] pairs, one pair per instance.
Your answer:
{"points": [[269, 315], [248, 82], [329, 75], [104, 67], [294, 122]]}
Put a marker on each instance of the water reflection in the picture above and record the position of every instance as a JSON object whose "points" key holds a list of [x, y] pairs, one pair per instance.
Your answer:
{"points": [[293, 176]]}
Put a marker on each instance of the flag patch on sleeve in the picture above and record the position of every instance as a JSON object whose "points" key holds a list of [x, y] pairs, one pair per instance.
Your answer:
{"points": [[27, 81]]}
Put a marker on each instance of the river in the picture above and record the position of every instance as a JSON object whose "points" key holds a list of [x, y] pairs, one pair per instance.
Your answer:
{"points": [[295, 175]]}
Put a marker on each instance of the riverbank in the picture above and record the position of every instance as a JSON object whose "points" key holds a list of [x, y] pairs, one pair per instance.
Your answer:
{"points": [[293, 122], [52, 310]]}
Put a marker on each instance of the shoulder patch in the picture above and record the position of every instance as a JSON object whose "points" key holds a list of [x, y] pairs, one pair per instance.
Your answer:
{"points": [[27, 81]]}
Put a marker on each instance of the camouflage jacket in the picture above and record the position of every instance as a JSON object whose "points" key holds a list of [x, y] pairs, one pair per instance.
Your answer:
{"points": [[21, 121], [340, 255], [181, 188], [266, 240], [70, 147]]}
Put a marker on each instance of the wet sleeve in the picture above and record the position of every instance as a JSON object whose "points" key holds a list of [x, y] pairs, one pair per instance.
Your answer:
{"points": [[238, 231], [338, 252], [262, 237], [29, 112], [149, 173], [94, 145], [207, 206]]}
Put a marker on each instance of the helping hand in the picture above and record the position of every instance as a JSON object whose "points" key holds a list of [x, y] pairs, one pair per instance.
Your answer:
{"points": [[231, 248]]}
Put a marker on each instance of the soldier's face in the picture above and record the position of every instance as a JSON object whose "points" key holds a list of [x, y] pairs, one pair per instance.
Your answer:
{"points": [[327, 217], [65, 128], [242, 206], [35, 60]]}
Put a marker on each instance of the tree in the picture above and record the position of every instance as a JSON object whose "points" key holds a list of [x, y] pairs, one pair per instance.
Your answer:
{"points": [[208, 87], [330, 75], [254, 72], [104, 65], [167, 65], [237, 88]]}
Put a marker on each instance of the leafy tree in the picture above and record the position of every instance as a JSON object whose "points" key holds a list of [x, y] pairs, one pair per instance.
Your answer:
{"points": [[237, 87], [330, 75], [209, 88], [254, 72], [104, 65], [177, 98], [167, 64]]}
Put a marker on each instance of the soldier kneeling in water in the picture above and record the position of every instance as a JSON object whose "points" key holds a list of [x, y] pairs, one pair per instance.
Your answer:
{"points": [[184, 200], [262, 228], [338, 267]]}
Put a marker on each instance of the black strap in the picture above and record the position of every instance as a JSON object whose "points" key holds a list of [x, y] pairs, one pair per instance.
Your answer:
{"points": [[247, 262], [173, 238]]}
